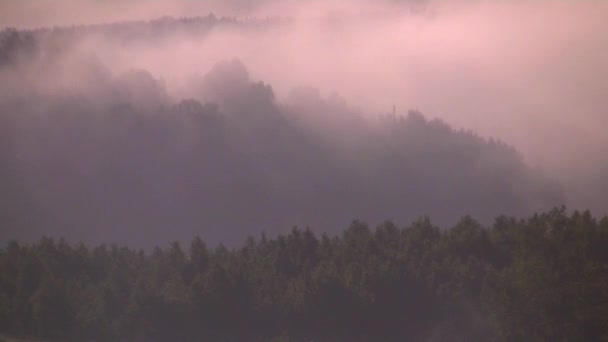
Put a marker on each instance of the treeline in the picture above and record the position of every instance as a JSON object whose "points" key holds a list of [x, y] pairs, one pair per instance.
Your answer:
{"points": [[544, 278]]}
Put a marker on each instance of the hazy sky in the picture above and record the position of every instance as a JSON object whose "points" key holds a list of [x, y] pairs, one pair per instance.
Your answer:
{"points": [[505, 68], [533, 73]]}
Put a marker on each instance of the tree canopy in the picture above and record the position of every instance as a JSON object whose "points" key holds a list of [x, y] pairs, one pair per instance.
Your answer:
{"points": [[541, 278]]}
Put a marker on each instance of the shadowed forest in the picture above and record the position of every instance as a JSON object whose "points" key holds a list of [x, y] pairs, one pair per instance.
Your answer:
{"points": [[542, 278], [118, 138]]}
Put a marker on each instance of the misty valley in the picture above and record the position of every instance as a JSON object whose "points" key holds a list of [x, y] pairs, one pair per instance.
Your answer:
{"points": [[154, 188]]}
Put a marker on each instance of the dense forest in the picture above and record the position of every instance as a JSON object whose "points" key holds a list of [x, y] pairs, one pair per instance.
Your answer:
{"points": [[543, 278], [104, 161], [100, 156]]}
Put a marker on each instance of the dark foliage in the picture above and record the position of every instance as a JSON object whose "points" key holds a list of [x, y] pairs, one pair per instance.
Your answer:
{"points": [[543, 279]]}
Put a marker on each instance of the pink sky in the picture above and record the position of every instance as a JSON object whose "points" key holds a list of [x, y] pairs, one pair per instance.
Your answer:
{"points": [[533, 73]]}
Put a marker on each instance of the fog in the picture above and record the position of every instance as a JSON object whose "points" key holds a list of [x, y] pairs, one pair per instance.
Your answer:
{"points": [[532, 74]]}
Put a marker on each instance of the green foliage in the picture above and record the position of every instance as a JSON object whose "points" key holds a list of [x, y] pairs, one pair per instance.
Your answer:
{"points": [[544, 278]]}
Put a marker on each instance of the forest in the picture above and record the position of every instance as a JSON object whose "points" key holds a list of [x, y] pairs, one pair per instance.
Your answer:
{"points": [[174, 179], [542, 278]]}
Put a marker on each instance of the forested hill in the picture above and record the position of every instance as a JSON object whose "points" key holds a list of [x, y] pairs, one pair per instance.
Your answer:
{"points": [[99, 155], [117, 139], [118, 159], [543, 278]]}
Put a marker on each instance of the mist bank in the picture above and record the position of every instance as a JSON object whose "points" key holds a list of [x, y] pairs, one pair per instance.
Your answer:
{"points": [[111, 128], [529, 73], [121, 160]]}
